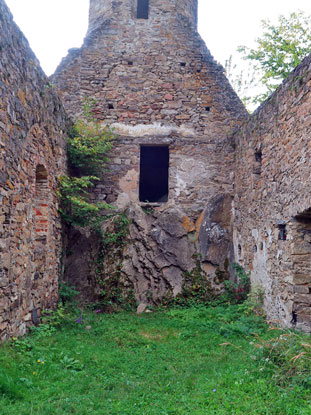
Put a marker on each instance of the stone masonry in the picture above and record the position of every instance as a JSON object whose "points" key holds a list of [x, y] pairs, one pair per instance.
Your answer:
{"points": [[272, 223], [156, 84], [32, 125], [199, 179]]}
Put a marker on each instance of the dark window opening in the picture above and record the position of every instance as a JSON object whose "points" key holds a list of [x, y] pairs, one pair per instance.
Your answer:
{"points": [[258, 156], [143, 9], [258, 160], [153, 181], [282, 232], [207, 109], [198, 70], [183, 64], [130, 63], [110, 106]]}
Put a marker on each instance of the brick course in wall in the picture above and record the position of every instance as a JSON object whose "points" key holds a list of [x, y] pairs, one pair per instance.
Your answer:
{"points": [[32, 131]]}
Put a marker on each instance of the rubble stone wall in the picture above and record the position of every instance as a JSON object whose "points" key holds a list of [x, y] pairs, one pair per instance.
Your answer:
{"points": [[155, 83], [32, 125], [272, 228]]}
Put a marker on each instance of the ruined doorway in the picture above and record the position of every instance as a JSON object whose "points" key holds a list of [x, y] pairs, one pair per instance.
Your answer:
{"points": [[154, 172]]}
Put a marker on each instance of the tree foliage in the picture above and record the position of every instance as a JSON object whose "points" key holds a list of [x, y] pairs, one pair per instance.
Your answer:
{"points": [[88, 146], [87, 149], [76, 209], [278, 51]]}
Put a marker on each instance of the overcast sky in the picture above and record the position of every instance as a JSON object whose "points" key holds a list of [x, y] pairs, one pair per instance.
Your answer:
{"points": [[54, 26]]}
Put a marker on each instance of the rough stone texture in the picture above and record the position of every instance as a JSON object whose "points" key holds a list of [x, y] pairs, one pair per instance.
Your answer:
{"points": [[157, 84], [275, 193], [32, 124]]}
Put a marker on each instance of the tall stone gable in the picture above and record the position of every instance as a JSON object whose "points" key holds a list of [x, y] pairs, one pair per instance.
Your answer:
{"points": [[157, 85], [32, 131]]}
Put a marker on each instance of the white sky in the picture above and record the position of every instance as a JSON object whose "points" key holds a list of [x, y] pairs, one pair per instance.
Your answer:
{"points": [[54, 26]]}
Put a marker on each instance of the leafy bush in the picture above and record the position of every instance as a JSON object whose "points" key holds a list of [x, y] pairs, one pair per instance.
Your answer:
{"points": [[88, 146], [237, 291], [87, 149], [75, 207], [196, 290], [67, 293]]}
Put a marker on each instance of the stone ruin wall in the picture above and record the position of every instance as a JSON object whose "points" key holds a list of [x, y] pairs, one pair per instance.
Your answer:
{"points": [[165, 89], [32, 125], [155, 83], [272, 226]]}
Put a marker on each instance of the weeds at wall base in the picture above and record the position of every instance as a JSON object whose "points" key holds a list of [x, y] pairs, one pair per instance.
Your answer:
{"points": [[116, 292]]}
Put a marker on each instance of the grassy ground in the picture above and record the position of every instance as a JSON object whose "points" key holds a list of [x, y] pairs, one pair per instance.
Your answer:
{"points": [[162, 363]]}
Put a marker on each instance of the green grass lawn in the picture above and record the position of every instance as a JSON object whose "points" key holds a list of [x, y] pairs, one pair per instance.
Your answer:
{"points": [[162, 363]]}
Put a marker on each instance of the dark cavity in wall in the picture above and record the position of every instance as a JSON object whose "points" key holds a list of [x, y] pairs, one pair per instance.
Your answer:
{"points": [[282, 232], [153, 181], [258, 162], [143, 9]]}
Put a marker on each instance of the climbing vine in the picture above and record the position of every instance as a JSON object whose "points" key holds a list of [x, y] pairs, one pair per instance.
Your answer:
{"points": [[116, 292]]}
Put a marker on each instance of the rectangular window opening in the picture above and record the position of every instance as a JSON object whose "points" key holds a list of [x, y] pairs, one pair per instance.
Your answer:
{"points": [[142, 9], [153, 180], [282, 232]]}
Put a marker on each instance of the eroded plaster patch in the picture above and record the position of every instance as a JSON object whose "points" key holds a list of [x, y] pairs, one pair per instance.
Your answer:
{"points": [[142, 130], [129, 189]]}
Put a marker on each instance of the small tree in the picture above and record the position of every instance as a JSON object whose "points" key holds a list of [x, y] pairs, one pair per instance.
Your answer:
{"points": [[87, 149], [278, 51]]}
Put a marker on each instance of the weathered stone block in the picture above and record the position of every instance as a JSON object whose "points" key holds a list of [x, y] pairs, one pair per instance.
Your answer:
{"points": [[301, 289]]}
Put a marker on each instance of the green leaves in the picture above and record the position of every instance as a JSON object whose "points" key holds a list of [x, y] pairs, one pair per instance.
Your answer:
{"points": [[278, 51], [88, 145], [75, 206]]}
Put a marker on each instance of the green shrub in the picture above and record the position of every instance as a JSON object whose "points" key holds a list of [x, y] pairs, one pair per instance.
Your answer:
{"points": [[88, 146], [196, 290], [237, 291], [75, 206], [67, 293], [87, 149]]}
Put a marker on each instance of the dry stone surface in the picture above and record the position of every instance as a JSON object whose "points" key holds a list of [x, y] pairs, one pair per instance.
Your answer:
{"points": [[156, 84], [272, 199], [32, 125]]}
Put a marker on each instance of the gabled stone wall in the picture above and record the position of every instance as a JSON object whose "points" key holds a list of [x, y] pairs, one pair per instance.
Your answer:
{"points": [[272, 231], [155, 83], [32, 131]]}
